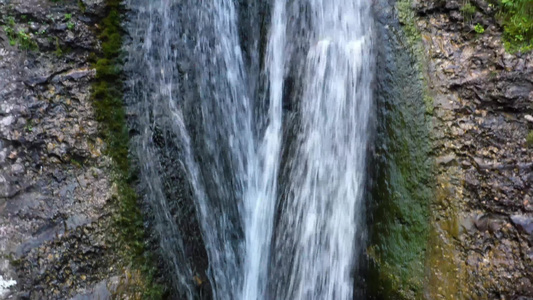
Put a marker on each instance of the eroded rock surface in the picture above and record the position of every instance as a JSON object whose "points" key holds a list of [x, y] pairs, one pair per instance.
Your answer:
{"points": [[56, 238], [483, 98]]}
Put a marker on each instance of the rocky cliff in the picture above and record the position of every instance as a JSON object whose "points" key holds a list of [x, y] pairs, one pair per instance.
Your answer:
{"points": [[482, 216], [59, 195], [64, 173], [451, 213]]}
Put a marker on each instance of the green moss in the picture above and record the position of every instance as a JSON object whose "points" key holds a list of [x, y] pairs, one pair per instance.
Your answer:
{"points": [[407, 18], [404, 188], [108, 103], [413, 258], [529, 139], [402, 218]]}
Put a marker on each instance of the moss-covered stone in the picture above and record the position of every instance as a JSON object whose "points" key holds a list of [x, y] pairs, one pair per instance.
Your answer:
{"points": [[402, 191], [412, 35], [108, 103], [409, 251]]}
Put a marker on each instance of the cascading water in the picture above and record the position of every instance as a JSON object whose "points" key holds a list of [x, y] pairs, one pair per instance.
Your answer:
{"points": [[321, 215], [265, 142]]}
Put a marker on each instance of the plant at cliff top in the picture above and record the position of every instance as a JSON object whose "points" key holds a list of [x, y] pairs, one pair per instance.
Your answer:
{"points": [[479, 28], [517, 19], [529, 139]]}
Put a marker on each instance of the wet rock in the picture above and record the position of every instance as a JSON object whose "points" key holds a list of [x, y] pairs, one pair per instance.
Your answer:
{"points": [[468, 222], [36, 80], [17, 169], [48, 233], [76, 221], [453, 5], [100, 292], [94, 7], [446, 160], [482, 100], [490, 223], [55, 216], [78, 74], [523, 223]]}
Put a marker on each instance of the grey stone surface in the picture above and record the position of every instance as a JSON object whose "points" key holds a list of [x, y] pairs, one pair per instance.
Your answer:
{"points": [[55, 186]]}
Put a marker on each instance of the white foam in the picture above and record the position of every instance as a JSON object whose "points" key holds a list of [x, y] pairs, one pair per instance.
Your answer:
{"points": [[5, 284]]}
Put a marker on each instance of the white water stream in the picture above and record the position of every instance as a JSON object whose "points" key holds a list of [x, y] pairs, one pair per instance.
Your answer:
{"points": [[265, 238]]}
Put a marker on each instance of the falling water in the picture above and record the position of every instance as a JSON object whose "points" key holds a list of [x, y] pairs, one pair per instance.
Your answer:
{"points": [[322, 210], [254, 141]]}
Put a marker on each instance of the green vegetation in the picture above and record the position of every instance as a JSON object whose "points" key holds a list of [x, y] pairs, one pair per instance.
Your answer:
{"points": [[108, 103], [407, 19], [479, 28], [529, 139], [9, 29], [25, 41], [70, 24], [468, 10], [19, 37], [517, 19]]}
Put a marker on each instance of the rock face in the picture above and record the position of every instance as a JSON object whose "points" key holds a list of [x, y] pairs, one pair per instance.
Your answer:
{"points": [[56, 238], [483, 99]]}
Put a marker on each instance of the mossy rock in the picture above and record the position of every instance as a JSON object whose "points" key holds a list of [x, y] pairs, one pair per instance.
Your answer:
{"points": [[107, 99]]}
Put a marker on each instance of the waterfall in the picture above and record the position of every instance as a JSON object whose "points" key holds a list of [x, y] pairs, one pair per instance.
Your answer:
{"points": [[250, 127]]}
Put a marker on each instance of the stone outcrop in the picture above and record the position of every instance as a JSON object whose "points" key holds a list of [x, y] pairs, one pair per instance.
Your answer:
{"points": [[483, 99], [57, 239]]}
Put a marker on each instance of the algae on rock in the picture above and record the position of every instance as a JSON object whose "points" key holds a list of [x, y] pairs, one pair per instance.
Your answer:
{"points": [[402, 190], [110, 112]]}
